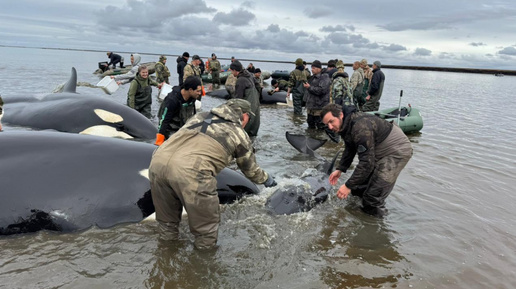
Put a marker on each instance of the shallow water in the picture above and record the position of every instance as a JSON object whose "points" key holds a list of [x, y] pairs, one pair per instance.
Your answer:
{"points": [[450, 214]]}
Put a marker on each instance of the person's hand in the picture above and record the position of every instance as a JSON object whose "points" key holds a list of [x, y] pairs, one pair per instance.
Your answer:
{"points": [[277, 89], [306, 85], [368, 97], [112, 77], [343, 192], [270, 182], [119, 82], [160, 85], [159, 139], [334, 177]]}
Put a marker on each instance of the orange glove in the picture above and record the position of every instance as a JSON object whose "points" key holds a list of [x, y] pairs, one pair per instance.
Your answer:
{"points": [[203, 91], [159, 139]]}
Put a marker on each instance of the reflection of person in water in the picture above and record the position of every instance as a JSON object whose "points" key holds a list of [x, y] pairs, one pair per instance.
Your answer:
{"points": [[363, 240]]}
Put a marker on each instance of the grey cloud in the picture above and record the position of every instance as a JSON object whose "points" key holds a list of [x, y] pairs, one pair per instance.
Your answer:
{"points": [[335, 28], [136, 14], [343, 38], [318, 11], [248, 4], [476, 44], [238, 17], [395, 47], [508, 51], [422, 52], [273, 28]]}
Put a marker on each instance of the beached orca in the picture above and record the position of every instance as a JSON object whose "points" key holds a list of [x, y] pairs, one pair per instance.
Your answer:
{"points": [[68, 182], [313, 187], [272, 98], [85, 114], [219, 93]]}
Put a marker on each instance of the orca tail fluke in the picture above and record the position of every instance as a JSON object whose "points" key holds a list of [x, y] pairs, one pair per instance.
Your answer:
{"points": [[304, 144], [71, 84]]}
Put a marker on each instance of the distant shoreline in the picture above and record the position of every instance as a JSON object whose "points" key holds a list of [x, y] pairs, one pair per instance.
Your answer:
{"points": [[500, 72]]}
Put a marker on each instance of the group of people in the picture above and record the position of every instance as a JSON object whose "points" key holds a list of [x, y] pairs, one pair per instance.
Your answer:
{"points": [[194, 147]]}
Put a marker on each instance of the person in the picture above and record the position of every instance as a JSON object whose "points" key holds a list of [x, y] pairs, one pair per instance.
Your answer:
{"points": [[296, 79], [317, 95], [214, 69], [368, 75], [1, 112], [258, 80], [177, 107], [232, 59], [201, 65], [375, 88], [183, 169], [340, 87], [245, 89], [193, 68], [306, 70], [139, 96], [357, 82], [162, 72], [129, 76], [330, 68], [181, 63], [114, 59], [383, 151], [279, 85], [250, 67]]}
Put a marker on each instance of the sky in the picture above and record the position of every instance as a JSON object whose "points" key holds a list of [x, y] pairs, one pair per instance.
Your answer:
{"points": [[443, 33]]}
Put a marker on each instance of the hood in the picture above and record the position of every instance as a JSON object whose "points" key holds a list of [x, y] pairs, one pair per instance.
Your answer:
{"points": [[226, 112], [340, 74], [347, 110], [180, 59], [137, 59]]}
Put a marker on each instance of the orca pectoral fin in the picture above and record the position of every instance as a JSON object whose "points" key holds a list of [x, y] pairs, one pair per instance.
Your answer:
{"points": [[304, 144]]}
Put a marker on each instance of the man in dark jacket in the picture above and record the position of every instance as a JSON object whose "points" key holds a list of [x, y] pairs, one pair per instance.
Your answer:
{"points": [[181, 63], [279, 85], [177, 108], [317, 95], [245, 89], [383, 151], [375, 88], [114, 59]]}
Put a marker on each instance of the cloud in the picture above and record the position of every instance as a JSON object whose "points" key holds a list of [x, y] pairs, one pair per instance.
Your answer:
{"points": [[236, 17], [508, 51], [394, 47], [476, 44], [149, 13], [335, 28], [422, 52], [317, 11]]}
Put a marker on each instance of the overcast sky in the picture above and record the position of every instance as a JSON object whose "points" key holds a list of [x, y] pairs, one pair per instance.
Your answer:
{"points": [[450, 33]]}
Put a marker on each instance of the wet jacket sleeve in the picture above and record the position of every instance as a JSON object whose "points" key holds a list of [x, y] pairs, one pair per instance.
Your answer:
{"points": [[172, 109], [131, 94], [365, 147], [246, 161]]}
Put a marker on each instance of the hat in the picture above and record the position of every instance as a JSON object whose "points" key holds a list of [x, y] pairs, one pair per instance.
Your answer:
{"points": [[340, 64], [162, 57], [378, 64], [186, 54], [242, 104], [213, 54], [256, 70], [299, 62], [232, 57], [331, 63], [274, 81], [196, 57], [236, 66], [316, 63], [364, 62]]}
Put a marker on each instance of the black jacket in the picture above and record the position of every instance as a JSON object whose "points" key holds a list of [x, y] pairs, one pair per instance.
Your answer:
{"points": [[181, 63]]}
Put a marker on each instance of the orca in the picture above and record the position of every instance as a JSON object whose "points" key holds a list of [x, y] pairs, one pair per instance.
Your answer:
{"points": [[219, 93], [68, 182], [84, 114], [314, 185], [268, 97]]}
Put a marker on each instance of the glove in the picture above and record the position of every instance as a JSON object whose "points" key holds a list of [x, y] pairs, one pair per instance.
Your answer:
{"points": [[270, 182], [159, 139]]}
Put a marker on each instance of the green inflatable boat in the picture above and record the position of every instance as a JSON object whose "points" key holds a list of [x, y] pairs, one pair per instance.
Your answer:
{"points": [[409, 119]]}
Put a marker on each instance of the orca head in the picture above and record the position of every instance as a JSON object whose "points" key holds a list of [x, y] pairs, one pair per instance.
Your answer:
{"points": [[290, 199]]}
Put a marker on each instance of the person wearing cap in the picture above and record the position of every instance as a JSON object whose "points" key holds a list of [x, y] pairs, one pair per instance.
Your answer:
{"points": [[162, 72], [296, 79], [279, 85], [368, 75], [357, 83], [245, 89], [183, 169], [383, 151], [181, 63], [340, 87], [193, 68], [177, 107], [375, 88], [258, 81], [214, 68], [317, 95], [131, 74]]}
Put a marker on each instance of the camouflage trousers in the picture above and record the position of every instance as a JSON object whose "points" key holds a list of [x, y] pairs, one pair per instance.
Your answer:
{"points": [[386, 171], [196, 191], [215, 77]]}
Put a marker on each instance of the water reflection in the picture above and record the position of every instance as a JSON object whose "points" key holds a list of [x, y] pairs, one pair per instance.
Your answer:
{"points": [[358, 249]]}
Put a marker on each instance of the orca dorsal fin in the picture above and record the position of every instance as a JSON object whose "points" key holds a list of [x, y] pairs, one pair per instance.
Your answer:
{"points": [[71, 84]]}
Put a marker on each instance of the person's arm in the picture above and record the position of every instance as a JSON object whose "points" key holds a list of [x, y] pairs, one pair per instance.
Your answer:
{"points": [[125, 78], [322, 87], [291, 82], [131, 94], [375, 84], [240, 88], [172, 109], [365, 147], [246, 161]]}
